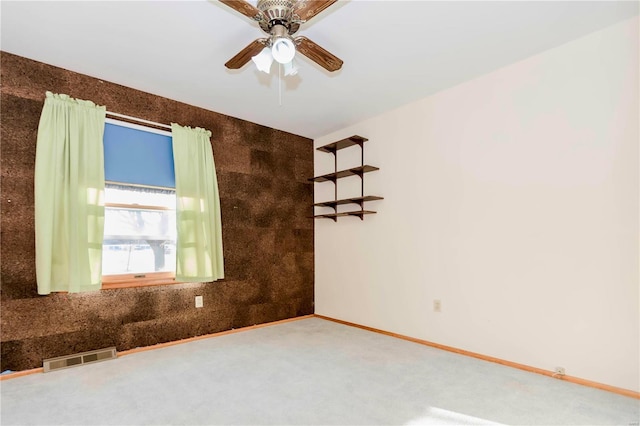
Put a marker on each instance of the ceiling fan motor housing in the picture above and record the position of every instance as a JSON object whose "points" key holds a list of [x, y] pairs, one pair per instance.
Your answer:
{"points": [[278, 12]]}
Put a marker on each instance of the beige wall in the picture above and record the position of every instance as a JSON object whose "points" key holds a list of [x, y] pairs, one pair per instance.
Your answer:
{"points": [[512, 198]]}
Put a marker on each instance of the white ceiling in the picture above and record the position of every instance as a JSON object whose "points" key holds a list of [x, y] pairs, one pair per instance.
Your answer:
{"points": [[394, 52]]}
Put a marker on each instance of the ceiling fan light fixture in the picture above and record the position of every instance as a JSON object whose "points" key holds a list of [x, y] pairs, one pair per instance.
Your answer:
{"points": [[283, 50], [263, 60], [290, 68]]}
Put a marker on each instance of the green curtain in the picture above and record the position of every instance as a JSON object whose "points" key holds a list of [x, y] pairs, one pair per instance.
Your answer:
{"points": [[69, 192], [199, 256]]}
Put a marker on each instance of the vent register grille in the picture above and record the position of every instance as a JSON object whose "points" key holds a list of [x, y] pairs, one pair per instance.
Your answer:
{"points": [[74, 360]]}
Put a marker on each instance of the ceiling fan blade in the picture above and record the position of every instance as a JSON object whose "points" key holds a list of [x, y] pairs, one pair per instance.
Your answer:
{"points": [[309, 8], [318, 55], [244, 7], [245, 54]]}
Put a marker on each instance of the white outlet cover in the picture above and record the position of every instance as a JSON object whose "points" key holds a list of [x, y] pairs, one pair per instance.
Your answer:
{"points": [[199, 302]]}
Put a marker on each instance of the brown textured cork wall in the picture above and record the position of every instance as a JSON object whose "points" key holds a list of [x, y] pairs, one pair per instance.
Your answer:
{"points": [[267, 235]]}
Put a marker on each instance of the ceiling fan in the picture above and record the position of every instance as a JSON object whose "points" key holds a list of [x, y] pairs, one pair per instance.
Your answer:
{"points": [[281, 19]]}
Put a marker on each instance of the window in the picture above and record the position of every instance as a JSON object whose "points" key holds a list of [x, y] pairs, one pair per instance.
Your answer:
{"points": [[139, 246]]}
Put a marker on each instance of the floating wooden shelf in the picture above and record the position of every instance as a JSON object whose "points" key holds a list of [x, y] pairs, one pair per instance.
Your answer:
{"points": [[358, 213], [355, 171], [355, 200], [344, 143], [333, 148]]}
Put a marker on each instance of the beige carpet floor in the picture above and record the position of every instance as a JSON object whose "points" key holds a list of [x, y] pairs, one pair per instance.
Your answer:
{"points": [[304, 372]]}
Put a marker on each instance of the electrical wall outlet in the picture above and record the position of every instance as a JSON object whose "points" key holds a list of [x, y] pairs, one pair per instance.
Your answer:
{"points": [[199, 302], [437, 305]]}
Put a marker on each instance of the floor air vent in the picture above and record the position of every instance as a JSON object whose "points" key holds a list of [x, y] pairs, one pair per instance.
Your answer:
{"points": [[78, 359]]}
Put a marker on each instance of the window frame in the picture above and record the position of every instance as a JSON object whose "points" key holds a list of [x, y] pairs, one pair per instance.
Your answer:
{"points": [[110, 282], [140, 279]]}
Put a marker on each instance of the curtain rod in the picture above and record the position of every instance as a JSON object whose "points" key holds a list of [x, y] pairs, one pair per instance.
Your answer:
{"points": [[141, 120]]}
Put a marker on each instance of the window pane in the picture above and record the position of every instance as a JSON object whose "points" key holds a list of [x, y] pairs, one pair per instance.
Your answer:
{"points": [[139, 223], [137, 256], [138, 240]]}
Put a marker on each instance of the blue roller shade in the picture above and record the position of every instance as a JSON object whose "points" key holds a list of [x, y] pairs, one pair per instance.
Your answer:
{"points": [[139, 157]]}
